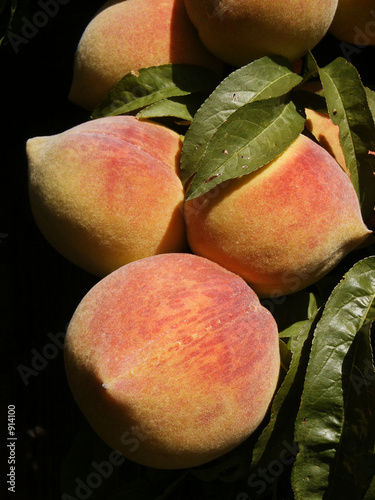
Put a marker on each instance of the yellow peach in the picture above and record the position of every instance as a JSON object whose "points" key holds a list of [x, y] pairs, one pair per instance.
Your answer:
{"points": [[125, 36], [107, 192], [239, 31], [282, 227], [173, 360]]}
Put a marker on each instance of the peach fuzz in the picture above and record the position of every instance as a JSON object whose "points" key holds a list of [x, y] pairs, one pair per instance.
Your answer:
{"points": [[282, 227], [107, 192], [125, 36], [239, 31], [354, 22], [177, 353]]}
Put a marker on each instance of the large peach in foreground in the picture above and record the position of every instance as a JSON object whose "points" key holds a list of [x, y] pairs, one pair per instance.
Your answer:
{"points": [[173, 360], [125, 36], [282, 227], [239, 31], [107, 192]]}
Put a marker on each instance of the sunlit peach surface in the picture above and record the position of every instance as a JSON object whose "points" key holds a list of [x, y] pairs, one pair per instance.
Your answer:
{"points": [[178, 351], [282, 227]]}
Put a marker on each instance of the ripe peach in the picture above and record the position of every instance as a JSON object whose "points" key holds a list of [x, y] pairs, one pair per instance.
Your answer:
{"points": [[239, 31], [173, 360], [282, 227], [354, 22], [107, 192], [126, 36]]}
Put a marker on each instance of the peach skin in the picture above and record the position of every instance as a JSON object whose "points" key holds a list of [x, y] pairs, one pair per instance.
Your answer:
{"points": [[125, 36], [187, 370], [354, 22], [107, 192], [284, 226], [239, 31]]}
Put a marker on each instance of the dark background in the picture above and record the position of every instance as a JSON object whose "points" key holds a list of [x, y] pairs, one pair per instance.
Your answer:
{"points": [[40, 289]]}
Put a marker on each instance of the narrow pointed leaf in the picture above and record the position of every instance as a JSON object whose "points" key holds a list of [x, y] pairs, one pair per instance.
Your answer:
{"points": [[149, 85], [311, 68], [261, 79], [371, 101], [370, 493], [324, 414], [348, 107], [355, 459], [252, 136], [277, 439]]}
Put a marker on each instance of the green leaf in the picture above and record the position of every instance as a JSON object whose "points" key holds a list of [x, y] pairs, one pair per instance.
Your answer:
{"points": [[149, 85], [370, 94], [310, 67], [183, 108], [329, 406], [276, 443], [251, 137], [292, 310], [264, 78], [285, 356], [370, 493], [348, 107], [355, 459], [291, 333]]}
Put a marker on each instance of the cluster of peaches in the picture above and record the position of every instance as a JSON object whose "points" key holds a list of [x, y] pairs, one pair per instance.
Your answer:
{"points": [[173, 342]]}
